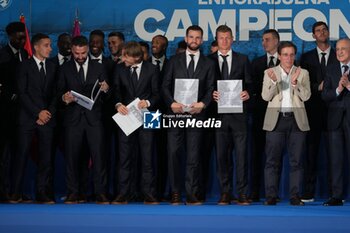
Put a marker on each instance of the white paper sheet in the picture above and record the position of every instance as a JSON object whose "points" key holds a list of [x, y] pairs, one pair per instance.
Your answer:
{"points": [[230, 100], [133, 120]]}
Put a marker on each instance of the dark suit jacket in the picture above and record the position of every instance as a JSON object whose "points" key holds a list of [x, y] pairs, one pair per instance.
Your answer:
{"points": [[161, 75], [315, 106], [36, 94], [55, 60], [310, 61], [239, 70], [337, 105], [69, 80], [8, 64], [177, 68], [147, 87]]}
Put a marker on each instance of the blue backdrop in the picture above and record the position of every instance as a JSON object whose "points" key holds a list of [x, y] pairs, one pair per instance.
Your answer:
{"points": [[142, 19]]}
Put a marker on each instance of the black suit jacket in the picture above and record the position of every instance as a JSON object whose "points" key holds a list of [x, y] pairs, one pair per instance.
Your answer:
{"points": [[8, 64], [55, 60], [240, 66], [161, 75], [69, 80], [147, 87], [315, 106], [36, 94], [337, 105], [177, 68], [310, 61]]}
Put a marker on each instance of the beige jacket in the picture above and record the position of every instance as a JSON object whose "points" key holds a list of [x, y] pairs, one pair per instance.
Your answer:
{"points": [[273, 94]]}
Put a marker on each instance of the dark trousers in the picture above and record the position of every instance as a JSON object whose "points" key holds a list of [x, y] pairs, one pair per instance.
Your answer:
{"points": [[339, 148], [232, 135], [8, 131], [162, 161], [192, 140], [139, 143], [286, 133], [74, 138], [258, 151], [44, 161]]}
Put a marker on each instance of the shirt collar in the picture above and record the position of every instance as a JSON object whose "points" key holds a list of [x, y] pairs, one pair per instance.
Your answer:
{"points": [[275, 55], [229, 53], [161, 59], [84, 64], [61, 57], [139, 65], [38, 61], [284, 73], [95, 58], [13, 49], [196, 54], [327, 51]]}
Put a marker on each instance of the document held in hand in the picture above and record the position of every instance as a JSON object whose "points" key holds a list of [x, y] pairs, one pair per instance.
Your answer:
{"points": [[230, 100], [186, 92], [84, 101], [133, 120]]}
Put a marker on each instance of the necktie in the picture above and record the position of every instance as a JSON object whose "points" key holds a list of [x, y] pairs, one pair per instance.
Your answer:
{"points": [[271, 63], [42, 71], [190, 68], [81, 73], [346, 68], [158, 65], [323, 63], [224, 68], [65, 59], [323, 59], [17, 56], [134, 78]]}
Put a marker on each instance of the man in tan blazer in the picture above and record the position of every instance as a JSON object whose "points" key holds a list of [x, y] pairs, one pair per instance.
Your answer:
{"points": [[286, 88]]}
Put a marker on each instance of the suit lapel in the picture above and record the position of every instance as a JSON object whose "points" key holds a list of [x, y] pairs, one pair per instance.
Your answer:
{"points": [[183, 65], [233, 64], [199, 66], [127, 75], [35, 70], [278, 73], [74, 71], [142, 75]]}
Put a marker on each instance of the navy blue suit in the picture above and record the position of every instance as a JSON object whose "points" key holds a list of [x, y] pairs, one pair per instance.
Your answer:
{"points": [[82, 124], [35, 94]]}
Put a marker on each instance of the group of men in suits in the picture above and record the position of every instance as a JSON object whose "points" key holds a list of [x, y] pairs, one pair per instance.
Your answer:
{"points": [[278, 92]]}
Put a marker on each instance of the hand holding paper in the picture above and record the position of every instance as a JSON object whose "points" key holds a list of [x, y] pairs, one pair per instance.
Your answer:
{"points": [[68, 97]]}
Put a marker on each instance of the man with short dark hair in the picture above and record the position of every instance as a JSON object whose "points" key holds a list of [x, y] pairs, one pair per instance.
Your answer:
{"points": [[191, 64], [159, 59], [286, 88], [64, 44], [115, 44], [37, 108], [80, 74], [10, 57], [270, 41], [316, 62]]}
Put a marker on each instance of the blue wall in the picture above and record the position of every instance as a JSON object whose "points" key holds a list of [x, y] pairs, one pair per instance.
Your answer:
{"points": [[56, 16]]}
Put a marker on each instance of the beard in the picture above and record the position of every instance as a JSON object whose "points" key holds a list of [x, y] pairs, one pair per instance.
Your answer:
{"points": [[80, 61], [193, 46]]}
